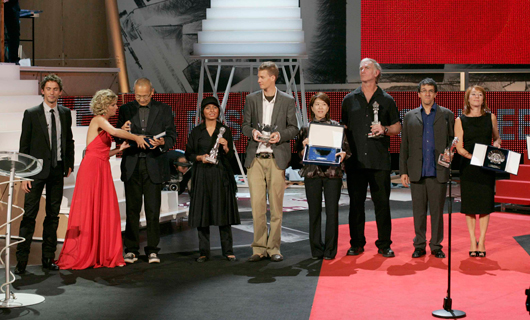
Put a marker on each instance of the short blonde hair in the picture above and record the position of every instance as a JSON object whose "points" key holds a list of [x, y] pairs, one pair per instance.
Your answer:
{"points": [[101, 101]]}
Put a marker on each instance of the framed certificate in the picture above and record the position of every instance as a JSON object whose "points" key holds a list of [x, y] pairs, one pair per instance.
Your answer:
{"points": [[325, 141], [497, 159]]}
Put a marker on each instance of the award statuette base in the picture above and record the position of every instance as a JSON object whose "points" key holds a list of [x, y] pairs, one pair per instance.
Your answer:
{"points": [[211, 160], [442, 161], [375, 136]]}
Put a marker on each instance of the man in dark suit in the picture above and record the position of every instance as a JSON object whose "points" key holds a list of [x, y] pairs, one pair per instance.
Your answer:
{"points": [[144, 171], [427, 131], [266, 161], [47, 135]]}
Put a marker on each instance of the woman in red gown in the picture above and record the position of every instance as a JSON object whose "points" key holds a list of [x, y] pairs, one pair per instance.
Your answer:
{"points": [[93, 237]]}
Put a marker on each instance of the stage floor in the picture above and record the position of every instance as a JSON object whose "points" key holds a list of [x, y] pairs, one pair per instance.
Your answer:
{"points": [[363, 287]]}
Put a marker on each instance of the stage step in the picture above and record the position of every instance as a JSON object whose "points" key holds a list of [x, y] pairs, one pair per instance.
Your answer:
{"points": [[512, 188], [523, 174], [9, 104], [9, 71], [19, 87]]}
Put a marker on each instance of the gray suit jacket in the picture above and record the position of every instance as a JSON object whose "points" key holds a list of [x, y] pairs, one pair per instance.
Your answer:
{"points": [[283, 116], [411, 156]]}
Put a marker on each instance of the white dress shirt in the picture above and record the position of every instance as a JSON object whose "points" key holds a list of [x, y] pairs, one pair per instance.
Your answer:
{"points": [[268, 107], [48, 115]]}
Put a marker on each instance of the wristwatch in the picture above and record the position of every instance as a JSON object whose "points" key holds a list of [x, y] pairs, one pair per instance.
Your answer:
{"points": [[386, 130]]}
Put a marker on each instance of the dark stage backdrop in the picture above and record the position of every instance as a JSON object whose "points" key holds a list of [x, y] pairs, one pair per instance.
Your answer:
{"points": [[446, 32], [512, 110]]}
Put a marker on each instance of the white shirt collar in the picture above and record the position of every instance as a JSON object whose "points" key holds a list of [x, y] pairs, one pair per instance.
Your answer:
{"points": [[273, 99], [47, 108]]}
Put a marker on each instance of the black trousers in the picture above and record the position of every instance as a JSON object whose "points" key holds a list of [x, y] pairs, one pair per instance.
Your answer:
{"points": [[12, 24], [313, 191], [141, 185], [379, 181], [54, 195], [226, 240]]}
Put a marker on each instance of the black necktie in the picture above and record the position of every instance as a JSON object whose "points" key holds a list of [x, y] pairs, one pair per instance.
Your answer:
{"points": [[54, 140]]}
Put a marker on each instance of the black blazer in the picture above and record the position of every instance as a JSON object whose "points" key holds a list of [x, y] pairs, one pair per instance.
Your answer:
{"points": [[35, 139], [411, 153], [160, 120]]}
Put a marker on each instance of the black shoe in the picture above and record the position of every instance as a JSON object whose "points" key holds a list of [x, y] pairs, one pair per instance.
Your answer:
{"points": [[419, 253], [316, 257], [276, 258], [255, 258], [21, 267], [47, 263], [202, 259], [438, 253], [329, 258], [355, 251], [387, 253], [231, 258]]}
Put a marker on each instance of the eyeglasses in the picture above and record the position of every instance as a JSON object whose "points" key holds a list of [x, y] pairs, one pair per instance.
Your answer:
{"points": [[139, 97], [427, 91]]}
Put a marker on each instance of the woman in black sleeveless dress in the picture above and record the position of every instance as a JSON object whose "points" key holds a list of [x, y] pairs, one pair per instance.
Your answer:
{"points": [[476, 125]]}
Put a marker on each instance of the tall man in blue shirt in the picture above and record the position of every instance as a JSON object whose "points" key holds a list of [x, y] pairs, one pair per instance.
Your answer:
{"points": [[427, 131]]}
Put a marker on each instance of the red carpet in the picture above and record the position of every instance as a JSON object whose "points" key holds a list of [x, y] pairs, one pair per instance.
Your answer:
{"points": [[372, 287]]}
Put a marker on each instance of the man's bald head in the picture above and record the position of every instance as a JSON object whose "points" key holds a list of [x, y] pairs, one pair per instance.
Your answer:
{"points": [[143, 91]]}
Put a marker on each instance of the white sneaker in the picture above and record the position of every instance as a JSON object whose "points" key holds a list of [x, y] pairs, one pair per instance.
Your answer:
{"points": [[130, 257], [153, 258]]}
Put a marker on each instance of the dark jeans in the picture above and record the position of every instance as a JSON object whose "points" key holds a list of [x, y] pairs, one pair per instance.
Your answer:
{"points": [[140, 184], [313, 191], [12, 24], [54, 195], [226, 240], [379, 181]]}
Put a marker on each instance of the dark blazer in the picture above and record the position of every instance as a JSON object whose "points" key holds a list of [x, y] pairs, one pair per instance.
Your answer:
{"points": [[160, 120], [35, 139], [283, 116], [411, 155]]}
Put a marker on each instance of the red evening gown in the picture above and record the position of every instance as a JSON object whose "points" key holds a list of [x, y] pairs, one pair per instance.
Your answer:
{"points": [[93, 238]]}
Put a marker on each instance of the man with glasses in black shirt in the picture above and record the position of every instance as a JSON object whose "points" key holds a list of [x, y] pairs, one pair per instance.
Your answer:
{"points": [[370, 161]]}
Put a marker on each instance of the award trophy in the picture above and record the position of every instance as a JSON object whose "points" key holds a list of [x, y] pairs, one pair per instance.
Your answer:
{"points": [[376, 121], [212, 157], [444, 159], [266, 132]]}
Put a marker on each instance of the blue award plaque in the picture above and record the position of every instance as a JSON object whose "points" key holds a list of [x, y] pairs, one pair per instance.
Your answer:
{"points": [[325, 141]]}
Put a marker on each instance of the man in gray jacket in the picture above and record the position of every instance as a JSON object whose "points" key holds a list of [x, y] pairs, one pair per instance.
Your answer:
{"points": [[427, 131], [266, 160]]}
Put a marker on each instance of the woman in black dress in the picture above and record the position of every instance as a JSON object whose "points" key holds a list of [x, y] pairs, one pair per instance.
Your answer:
{"points": [[476, 125], [322, 178], [213, 187]]}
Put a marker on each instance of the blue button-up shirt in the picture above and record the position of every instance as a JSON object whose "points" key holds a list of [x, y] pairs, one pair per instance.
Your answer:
{"points": [[429, 157]]}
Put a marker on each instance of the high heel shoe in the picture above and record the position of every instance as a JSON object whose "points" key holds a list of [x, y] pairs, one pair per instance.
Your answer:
{"points": [[481, 254], [473, 254]]}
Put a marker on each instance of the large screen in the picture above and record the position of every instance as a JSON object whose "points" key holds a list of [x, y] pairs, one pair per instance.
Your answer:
{"points": [[446, 31]]}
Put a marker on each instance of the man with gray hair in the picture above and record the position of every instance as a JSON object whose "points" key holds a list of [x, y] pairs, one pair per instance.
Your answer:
{"points": [[369, 164], [144, 171]]}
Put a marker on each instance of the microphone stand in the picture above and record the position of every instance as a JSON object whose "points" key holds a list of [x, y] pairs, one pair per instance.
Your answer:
{"points": [[447, 312]]}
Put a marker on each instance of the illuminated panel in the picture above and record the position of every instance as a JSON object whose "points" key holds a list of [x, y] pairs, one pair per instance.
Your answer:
{"points": [[446, 32], [511, 108]]}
